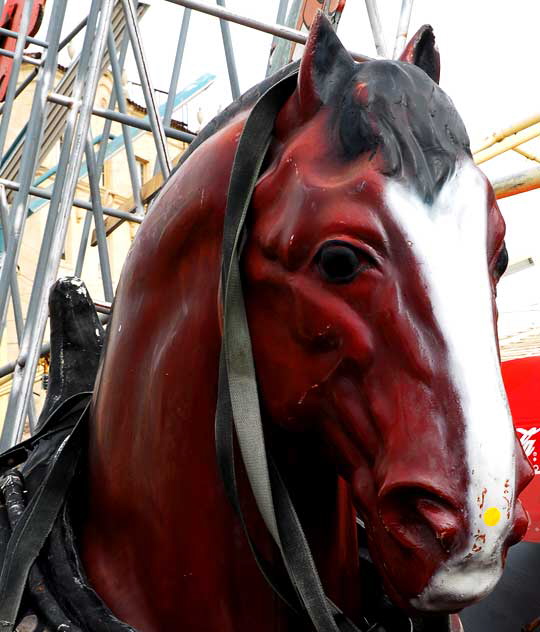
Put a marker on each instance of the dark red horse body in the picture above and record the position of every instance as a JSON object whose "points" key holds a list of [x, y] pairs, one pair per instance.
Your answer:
{"points": [[374, 248]]}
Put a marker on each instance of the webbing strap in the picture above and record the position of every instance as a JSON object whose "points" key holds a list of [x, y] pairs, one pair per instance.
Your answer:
{"points": [[298, 559], [238, 400], [36, 523], [18, 453], [226, 464]]}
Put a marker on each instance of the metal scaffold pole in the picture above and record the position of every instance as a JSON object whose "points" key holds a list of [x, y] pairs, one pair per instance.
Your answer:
{"points": [[403, 27], [116, 65], [167, 116], [119, 97], [87, 206], [229, 54], [148, 90], [75, 138], [99, 222], [34, 134], [376, 28], [121, 118], [278, 30], [16, 297], [12, 85]]}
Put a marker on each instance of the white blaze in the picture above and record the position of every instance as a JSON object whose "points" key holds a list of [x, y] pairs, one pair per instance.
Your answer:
{"points": [[449, 241]]}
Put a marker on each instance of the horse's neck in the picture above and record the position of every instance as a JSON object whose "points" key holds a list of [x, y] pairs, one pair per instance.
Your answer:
{"points": [[160, 542], [163, 548]]}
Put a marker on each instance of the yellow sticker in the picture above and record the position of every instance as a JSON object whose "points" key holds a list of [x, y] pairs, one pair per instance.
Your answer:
{"points": [[492, 516]]}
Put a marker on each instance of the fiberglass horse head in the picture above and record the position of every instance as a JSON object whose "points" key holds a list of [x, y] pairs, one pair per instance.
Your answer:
{"points": [[373, 250]]}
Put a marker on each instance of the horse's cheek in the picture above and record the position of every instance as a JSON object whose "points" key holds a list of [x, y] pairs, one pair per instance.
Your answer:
{"points": [[294, 353]]}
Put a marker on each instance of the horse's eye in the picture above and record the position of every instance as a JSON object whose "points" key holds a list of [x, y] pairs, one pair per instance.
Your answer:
{"points": [[340, 262], [501, 264]]}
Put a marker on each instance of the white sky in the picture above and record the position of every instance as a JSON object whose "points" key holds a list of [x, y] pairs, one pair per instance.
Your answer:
{"points": [[489, 59]]}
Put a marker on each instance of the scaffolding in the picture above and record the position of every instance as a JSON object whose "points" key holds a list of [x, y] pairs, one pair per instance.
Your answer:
{"points": [[65, 111]]}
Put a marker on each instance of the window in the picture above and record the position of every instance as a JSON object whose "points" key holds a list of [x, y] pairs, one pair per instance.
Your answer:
{"points": [[142, 166]]}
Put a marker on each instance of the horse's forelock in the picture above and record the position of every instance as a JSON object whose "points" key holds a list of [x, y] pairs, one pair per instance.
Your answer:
{"points": [[394, 108]]}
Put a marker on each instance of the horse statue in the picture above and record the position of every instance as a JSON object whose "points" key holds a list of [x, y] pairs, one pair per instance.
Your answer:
{"points": [[368, 262]]}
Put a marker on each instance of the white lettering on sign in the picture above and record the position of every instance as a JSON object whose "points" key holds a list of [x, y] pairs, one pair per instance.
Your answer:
{"points": [[528, 441]]}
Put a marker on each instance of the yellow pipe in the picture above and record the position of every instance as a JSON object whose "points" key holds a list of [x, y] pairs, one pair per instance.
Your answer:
{"points": [[527, 154], [508, 143], [507, 131]]}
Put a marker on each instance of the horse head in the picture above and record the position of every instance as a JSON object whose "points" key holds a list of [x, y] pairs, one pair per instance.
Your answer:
{"points": [[371, 269], [372, 255]]}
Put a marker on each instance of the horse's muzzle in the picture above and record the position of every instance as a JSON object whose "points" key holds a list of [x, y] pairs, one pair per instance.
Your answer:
{"points": [[434, 531]]}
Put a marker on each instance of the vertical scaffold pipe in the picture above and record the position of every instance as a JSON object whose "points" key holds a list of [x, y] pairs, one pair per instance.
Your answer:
{"points": [[65, 184], [403, 27], [142, 66], [29, 158], [376, 28]]}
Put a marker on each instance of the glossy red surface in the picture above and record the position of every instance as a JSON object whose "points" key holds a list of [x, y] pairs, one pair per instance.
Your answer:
{"points": [[354, 381]]}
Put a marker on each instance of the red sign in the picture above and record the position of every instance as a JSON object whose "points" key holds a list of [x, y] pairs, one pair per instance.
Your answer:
{"points": [[11, 20], [522, 381]]}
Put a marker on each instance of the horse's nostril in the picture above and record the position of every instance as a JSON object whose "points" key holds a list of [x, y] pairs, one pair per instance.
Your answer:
{"points": [[417, 517], [443, 520]]}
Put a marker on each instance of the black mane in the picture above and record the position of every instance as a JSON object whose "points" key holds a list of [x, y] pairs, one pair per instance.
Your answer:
{"points": [[402, 112], [406, 115]]}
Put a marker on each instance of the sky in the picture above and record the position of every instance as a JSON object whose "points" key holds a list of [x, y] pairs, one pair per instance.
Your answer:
{"points": [[489, 58]]}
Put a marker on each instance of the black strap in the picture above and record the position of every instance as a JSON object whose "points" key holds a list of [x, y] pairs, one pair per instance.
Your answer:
{"points": [[234, 217], [299, 560], [226, 464], [55, 422], [237, 395], [36, 522]]}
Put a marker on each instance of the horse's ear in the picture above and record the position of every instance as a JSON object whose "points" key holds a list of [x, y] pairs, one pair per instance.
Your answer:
{"points": [[325, 66], [422, 52]]}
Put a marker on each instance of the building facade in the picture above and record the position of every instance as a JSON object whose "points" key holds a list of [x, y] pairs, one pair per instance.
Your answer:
{"points": [[116, 192]]}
